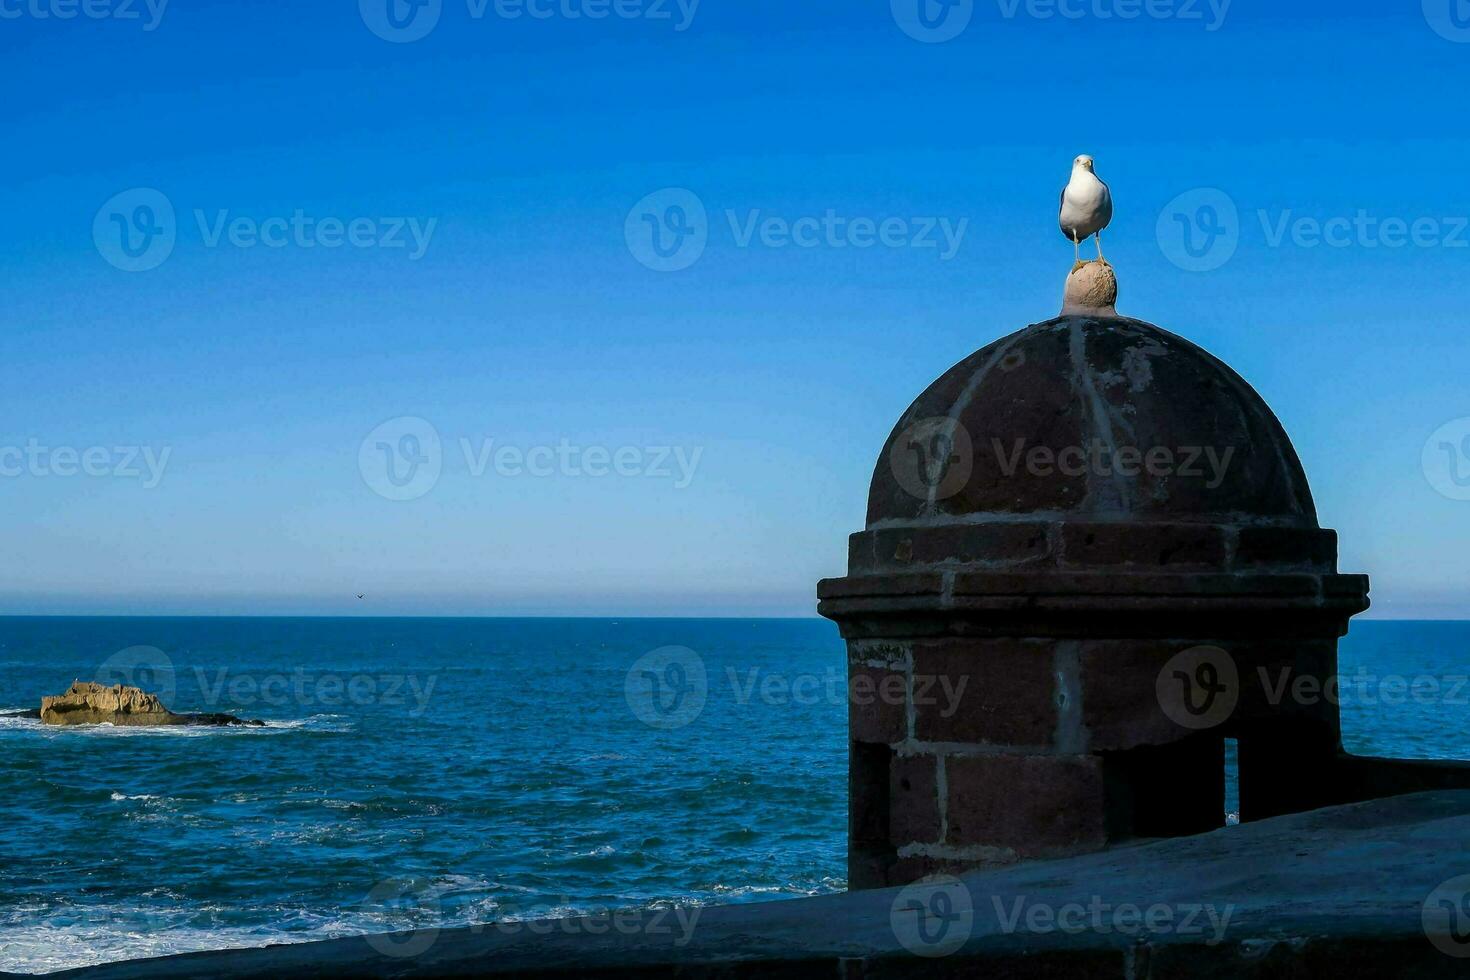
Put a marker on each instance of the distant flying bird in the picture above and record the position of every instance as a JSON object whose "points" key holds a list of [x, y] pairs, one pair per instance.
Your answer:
{"points": [[360, 595], [1087, 206]]}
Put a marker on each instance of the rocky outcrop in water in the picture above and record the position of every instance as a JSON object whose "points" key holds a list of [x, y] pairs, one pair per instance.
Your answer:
{"points": [[87, 703]]}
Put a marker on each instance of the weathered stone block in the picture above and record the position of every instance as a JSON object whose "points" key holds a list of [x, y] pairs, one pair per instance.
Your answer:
{"points": [[1166, 546], [1118, 680], [1006, 543], [914, 800], [1034, 804], [1287, 547], [868, 773], [875, 704], [984, 692]]}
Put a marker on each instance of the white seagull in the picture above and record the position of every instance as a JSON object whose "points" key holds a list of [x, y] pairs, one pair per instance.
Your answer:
{"points": [[1087, 206]]}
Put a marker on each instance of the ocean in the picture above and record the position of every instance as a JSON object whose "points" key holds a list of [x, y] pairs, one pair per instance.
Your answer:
{"points": [[421, 772]]}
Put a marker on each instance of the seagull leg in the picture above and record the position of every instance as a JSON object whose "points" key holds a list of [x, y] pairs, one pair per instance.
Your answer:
{"points": [[1099, 249], [1077, 246]]}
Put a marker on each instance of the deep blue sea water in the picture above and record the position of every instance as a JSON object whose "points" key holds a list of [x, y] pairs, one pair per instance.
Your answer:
{"points": [[419, 771]]}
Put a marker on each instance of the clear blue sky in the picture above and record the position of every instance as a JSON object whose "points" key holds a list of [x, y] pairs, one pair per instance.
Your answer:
{"points": [[529, 320]]}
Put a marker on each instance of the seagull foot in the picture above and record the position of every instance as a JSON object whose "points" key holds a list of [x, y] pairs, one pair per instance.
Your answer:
{"points": [[1079, 264]]}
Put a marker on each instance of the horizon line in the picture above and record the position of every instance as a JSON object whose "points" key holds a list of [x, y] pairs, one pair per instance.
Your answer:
{"points": [[588, 617]]}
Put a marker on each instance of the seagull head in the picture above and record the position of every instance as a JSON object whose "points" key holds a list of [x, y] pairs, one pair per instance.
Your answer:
{"points": [[1084, 162]]}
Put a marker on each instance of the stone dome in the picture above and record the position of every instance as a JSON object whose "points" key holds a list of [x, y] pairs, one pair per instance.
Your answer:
{"points": [[1095, 420], [1090, 476]]}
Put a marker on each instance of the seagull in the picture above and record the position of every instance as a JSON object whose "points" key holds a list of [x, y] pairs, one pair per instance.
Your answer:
{"points": [[1087, 206]]}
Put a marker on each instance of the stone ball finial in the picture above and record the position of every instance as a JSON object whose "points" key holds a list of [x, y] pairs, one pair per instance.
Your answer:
{"points": [[1092, 290]]}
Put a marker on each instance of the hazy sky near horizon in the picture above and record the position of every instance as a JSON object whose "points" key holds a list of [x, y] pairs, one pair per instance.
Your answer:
{"points": [[248, 241]]}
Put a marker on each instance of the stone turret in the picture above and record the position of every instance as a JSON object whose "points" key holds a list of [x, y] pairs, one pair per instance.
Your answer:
{"points": [[1091, 556]]}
